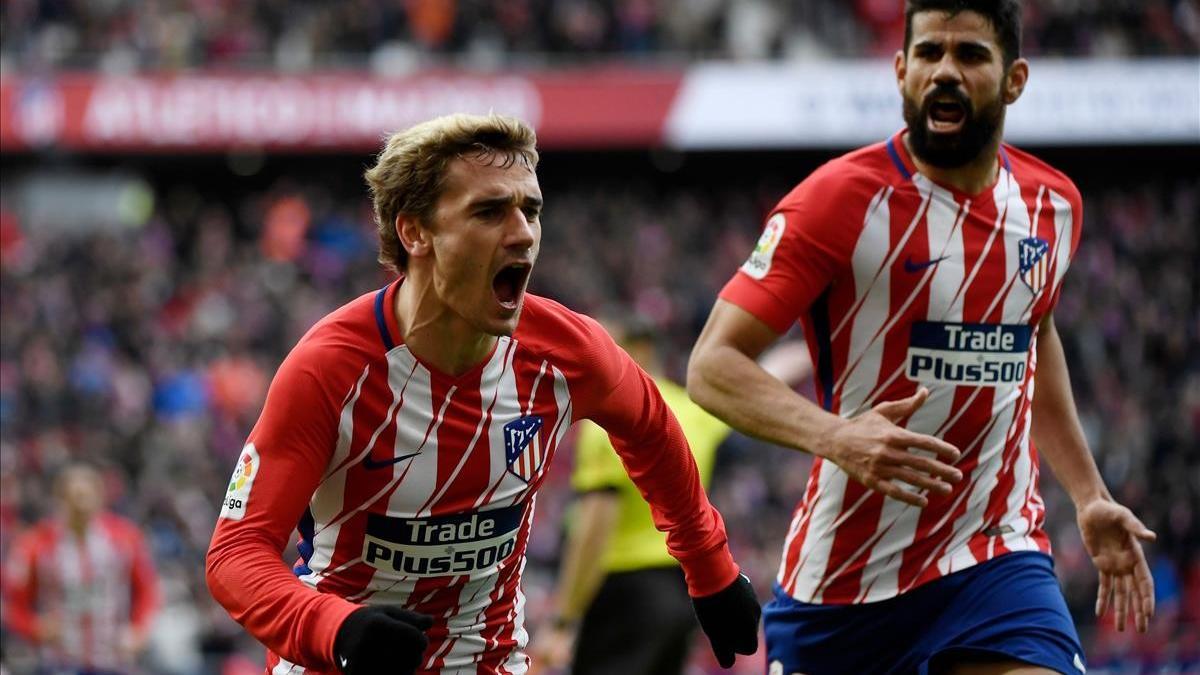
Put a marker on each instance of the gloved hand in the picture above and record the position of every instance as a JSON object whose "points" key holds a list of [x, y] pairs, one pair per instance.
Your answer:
{"points": [[381, 639], [730, 620]]}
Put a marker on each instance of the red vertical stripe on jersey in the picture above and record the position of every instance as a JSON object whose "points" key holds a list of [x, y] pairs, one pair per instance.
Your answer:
{"points": [[908, 295], [370, 411], [804, 512]]}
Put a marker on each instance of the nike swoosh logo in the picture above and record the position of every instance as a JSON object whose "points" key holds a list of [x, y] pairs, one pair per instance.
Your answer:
{"points": [[372, 464], [910, 266]]}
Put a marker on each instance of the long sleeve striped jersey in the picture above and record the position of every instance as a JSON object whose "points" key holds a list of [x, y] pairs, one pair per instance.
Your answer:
{"points": [[414, 488], [900, 283]]}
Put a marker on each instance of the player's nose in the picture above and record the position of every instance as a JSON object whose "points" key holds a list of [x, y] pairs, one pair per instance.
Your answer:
{"points": [[520, 231], [946, 71]]}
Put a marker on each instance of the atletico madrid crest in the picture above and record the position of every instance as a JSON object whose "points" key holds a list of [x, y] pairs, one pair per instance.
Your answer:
{"points": [[1035, 264], [523, 446]]}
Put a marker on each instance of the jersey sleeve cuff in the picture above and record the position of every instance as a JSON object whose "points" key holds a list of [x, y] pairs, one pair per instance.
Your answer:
{"points": [[327, 620], [751, 296], [710, 572]]}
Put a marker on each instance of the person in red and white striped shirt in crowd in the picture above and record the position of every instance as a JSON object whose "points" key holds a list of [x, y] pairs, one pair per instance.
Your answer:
{"points": [[924, 270], [80, 586]]}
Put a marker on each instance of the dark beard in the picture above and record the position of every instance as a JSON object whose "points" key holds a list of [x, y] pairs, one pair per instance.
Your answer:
{"points": [[950, 151]]}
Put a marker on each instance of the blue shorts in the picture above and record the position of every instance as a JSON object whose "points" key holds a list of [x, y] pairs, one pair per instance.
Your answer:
{"points": [[1010, 607]]}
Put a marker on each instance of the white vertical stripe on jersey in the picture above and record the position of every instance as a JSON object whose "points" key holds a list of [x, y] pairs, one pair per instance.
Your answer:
{"points": [[492, 378], [898, 521], [70, 576], [341, 450], [872, 284], [417, 405], [109, 606], [1014, 218], [865, 278], [1024, 474], [328, 498], [508, 407], [419, 474], [1064, 225], [463, 640]]}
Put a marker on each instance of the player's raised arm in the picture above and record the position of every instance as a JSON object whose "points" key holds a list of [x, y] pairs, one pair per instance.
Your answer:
{"points": [[652, 446]]}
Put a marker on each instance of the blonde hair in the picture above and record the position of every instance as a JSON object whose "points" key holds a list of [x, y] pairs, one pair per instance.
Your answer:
{"points": [[410, 172]]}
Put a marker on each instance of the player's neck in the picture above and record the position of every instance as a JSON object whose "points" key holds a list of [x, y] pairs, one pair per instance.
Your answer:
{"points": [[971, 178], [435, 334]]}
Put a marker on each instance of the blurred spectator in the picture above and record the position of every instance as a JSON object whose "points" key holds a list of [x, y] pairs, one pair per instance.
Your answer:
{"points": [[123, 35], [80, 586]]}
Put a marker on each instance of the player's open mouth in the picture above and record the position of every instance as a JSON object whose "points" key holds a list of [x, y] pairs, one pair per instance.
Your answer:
{"points": [[509, 284], [946, 115]]}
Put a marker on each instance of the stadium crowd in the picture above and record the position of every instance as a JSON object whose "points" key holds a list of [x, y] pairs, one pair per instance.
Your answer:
{"points": [[149, 348], [122, 35]]}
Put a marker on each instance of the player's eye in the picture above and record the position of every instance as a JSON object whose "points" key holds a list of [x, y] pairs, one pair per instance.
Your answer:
{"points": [[927, 51], [974, 55]]}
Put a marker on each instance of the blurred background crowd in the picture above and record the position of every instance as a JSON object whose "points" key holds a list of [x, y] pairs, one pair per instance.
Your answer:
{"points": [[142, 324], [123, 35]]}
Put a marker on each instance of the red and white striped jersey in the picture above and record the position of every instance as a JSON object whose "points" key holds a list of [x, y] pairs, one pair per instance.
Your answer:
{"points": [[901, 283], [95, 589], [415, 488]]}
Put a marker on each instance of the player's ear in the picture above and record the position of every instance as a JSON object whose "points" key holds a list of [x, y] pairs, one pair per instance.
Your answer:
{"points": [[901, 65], [1014, 81], [414, 237]]}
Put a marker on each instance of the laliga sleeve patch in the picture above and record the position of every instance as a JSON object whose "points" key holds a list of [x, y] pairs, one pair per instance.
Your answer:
{"points": [[238, 492], [759, 262]]}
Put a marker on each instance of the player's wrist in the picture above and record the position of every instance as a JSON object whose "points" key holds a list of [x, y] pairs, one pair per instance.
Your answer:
{"points": [[1082, 499], [823, 436]]}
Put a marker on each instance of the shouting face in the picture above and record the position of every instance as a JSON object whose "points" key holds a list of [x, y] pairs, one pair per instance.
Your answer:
{"points": [[955, 87], [483, 240]]}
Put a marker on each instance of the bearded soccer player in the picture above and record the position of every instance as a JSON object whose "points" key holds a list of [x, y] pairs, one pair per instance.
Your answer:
{"points": [[924, 270], [406, 434]]}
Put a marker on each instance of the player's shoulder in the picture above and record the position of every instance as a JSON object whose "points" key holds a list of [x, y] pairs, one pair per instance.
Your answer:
{"points": [[348, 335], [856, 174], [549, 327], [1027, 168]]}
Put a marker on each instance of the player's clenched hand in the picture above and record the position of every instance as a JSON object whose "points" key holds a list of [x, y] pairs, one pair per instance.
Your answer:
{"points": [[730, 620], [381, 639], [1113, 536], [874, 450]]}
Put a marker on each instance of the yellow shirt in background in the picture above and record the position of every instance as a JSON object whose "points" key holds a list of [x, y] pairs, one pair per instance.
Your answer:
{"points": [[635, 543]]}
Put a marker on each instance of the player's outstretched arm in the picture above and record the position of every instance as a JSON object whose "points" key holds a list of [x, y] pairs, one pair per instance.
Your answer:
{"points": [[871, 447], [623, 400], [1111, 533]]}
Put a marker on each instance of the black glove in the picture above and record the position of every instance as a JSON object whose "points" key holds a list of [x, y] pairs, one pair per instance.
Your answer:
{"points": [[381, 639], [730, 620]]}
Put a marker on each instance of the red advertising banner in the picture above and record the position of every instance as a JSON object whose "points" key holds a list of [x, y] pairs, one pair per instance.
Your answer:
{"points": [[334, 112]]}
